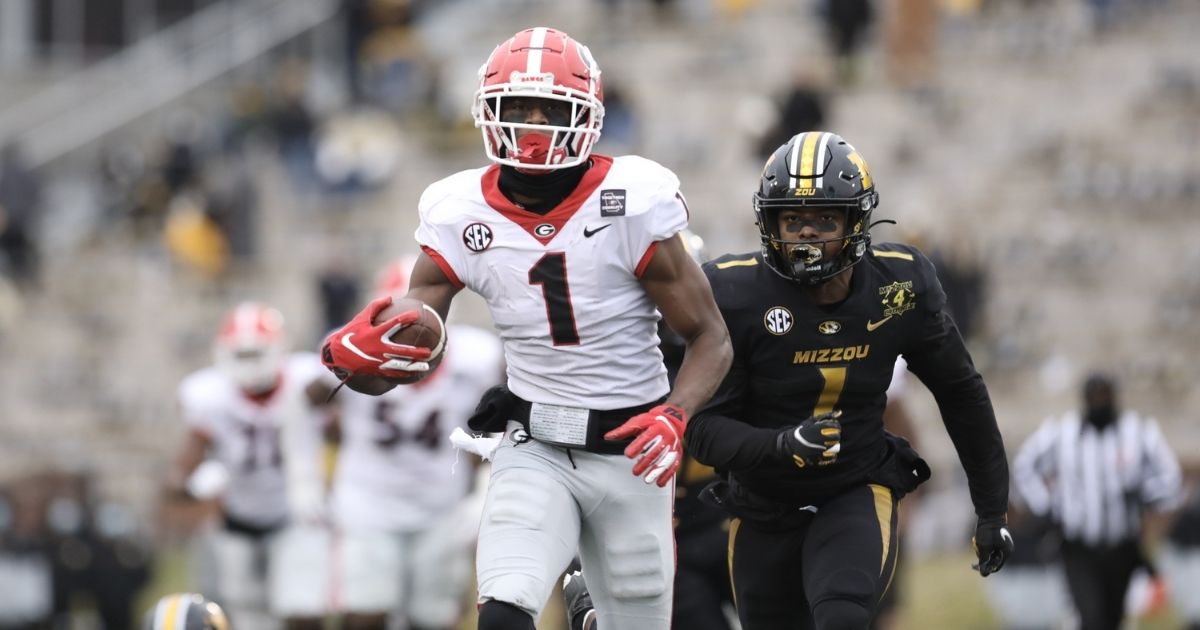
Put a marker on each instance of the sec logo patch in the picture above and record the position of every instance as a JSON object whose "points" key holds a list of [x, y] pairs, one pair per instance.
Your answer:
{"points": [[778, 320], [477, 237]]}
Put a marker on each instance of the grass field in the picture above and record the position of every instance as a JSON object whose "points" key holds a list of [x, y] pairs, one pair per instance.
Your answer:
{"points": [[940, 592]]}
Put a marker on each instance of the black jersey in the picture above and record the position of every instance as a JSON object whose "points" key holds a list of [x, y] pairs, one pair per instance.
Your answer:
{"points": [[794, 359]]}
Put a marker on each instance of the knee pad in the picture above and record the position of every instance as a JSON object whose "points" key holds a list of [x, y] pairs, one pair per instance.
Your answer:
{"points": [[497, 615], [635, 568], [845, 600], [841, 614]]}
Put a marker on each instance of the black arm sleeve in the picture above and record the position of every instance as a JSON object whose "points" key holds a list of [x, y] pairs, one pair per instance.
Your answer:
{"points": [[716, 438], [943, 364]]}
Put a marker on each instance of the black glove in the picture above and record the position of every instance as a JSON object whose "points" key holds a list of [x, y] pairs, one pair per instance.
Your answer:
{"points": [[993, 545], [494, 410], [816, 441]]}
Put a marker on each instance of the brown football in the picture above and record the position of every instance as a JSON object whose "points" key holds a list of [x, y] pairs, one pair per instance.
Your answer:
{"points": [[426, 332]]}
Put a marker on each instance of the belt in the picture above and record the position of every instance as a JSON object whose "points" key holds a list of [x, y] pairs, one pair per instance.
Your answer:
{"points": [[245, 528], [599, 422]]}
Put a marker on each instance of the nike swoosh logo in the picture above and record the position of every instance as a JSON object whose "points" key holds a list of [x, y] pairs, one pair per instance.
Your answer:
{"points": [[588, 232], [353, 348], [873, 325]]}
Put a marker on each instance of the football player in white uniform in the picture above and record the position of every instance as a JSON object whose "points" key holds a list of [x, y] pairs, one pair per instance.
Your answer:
{"points": [[235, 411], [573, 252], [398, 494], [400, 502]]}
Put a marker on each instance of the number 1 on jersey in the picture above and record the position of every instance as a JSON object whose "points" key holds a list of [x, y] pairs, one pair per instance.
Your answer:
{"points": [[835, 379], [550, 271]]}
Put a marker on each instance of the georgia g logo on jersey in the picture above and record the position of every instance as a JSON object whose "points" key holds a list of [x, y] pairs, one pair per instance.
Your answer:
{"points": [[778, 320], [477, 237]]}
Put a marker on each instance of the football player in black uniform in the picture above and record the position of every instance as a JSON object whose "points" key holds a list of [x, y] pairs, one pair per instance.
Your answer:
{"points": [[701, 575], [817, 319]]}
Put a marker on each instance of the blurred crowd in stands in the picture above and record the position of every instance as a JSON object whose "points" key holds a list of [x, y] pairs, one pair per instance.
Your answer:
{"points": [[64, 550], [191, 193]]}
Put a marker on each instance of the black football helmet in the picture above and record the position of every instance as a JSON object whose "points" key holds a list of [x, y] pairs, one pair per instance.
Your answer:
{"points": [[185, 611], [815, 169]]}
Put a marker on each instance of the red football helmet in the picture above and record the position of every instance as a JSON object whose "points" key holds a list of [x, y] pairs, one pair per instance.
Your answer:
{"points": [[540, 63], [393, 279], [250, 347]]}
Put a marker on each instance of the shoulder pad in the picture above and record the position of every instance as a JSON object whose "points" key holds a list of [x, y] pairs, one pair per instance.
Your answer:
{"points": [[733, 278], [431, 206], [904, 262], [643, 171], [639, 186], [202, 385]]}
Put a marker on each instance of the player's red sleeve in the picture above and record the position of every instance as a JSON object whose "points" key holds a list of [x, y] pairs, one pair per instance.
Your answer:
{"points": [[445, 266], [646, 258]]}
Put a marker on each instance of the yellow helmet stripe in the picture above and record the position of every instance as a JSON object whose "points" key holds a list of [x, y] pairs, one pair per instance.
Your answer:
{"points": [[808, 160], [822, 151], [169, 616]]}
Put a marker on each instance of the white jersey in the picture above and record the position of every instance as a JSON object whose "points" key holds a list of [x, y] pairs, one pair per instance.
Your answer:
{"points": [[396, 468], [578, 328], [245, 434]]}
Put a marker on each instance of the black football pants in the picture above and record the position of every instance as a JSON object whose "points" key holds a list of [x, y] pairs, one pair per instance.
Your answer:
{"points": [[1098, 578], [701, 581], [827, 573]]}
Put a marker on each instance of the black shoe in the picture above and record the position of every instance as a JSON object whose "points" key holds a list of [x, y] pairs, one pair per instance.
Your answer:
{"points": [[580, 612]]}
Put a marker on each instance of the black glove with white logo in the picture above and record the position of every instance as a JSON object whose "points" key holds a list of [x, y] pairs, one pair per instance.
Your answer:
{"points": [[814, 442], [993, 545]]}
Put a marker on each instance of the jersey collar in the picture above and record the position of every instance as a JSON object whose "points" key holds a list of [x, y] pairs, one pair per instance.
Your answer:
{"points": [[558, 217]]}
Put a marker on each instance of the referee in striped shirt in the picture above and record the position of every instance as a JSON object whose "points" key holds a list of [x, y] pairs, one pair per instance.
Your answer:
{"points": [[1094, 474]]}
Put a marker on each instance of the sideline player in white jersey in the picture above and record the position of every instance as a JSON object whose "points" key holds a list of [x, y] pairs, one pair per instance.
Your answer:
{"points": [[573, 252], [400, 492], [235, 411]]}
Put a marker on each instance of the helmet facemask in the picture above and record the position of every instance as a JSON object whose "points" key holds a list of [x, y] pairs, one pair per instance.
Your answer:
{"points": [[540, 63], [815, 170], [255, 368], [545, 147], [805, 261]]}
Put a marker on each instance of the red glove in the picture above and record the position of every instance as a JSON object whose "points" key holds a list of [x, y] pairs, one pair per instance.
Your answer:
{"points": [[658, 447], [361, 347]]}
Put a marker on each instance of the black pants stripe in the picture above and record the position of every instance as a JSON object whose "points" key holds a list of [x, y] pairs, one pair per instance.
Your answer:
{"points": [[835, 565]]}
